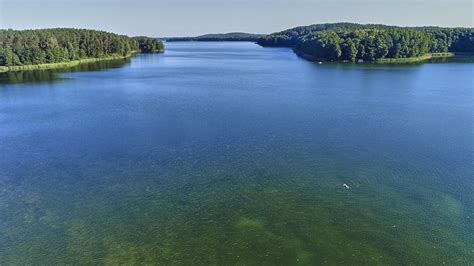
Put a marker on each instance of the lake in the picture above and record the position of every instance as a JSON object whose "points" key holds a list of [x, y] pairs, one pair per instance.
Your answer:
{"points": [[230, 153]]}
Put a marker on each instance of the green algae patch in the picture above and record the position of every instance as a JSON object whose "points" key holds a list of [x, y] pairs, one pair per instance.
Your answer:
{"points": [[248, 223], [450, 206]]}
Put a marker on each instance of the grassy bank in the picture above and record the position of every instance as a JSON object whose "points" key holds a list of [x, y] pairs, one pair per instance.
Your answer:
{"points": [[389, 60], [414, 59], [63, 64]]}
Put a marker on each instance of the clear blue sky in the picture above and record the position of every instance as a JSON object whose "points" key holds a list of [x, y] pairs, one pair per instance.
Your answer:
{"points": [[194, 17]]}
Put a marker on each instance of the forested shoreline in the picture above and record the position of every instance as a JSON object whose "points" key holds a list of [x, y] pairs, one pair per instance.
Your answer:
{"points": [[28, 49], [33, 49], [349, 41]]}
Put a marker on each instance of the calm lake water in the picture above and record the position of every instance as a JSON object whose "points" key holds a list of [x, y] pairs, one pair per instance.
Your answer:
{"points": [[229, 153]]}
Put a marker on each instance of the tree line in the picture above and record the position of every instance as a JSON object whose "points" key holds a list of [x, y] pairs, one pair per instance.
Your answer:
{"points": [[32, 47], [225, 37], [348, 41], [149, 45]]}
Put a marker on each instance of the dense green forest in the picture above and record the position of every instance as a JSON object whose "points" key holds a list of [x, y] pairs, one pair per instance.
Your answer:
{"points": [[149, 45], [349, 41], [33, 47], [226, 37]]}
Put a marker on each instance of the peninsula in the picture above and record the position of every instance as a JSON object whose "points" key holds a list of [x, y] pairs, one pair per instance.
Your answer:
{"points": [[376, 43]]}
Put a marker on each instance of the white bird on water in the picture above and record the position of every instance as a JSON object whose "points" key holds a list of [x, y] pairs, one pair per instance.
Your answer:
{"points": [[346, 186]]}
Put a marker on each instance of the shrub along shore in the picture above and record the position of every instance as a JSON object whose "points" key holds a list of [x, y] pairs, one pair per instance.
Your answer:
{"points": [[64, 64], [414, 59]]}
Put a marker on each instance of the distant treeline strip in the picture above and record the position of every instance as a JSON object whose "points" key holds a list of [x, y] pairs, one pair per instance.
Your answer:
{"points": [[226, 37], [51, 46], [348, 41]]}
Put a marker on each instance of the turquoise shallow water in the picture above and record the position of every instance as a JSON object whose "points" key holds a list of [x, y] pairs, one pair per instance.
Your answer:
{"points": [[229, 153]]}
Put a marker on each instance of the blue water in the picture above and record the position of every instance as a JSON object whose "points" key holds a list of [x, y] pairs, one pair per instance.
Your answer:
{"points": [[230, 153]]}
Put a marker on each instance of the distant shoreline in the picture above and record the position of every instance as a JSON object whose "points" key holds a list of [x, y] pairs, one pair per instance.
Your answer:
{"points": [[219, 37], [4, 69]]}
